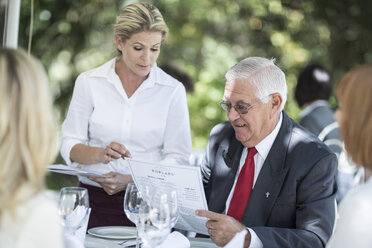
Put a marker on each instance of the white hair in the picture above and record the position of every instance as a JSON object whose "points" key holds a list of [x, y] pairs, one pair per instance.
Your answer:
{"points": [[263, 74]]}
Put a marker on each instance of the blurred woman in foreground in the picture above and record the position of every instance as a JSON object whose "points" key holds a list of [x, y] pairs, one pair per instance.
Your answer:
{"points": [[28, 218], [354, 115]]}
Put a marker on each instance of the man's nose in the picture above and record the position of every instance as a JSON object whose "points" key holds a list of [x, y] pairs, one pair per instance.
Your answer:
{"points": [[233, 114]]}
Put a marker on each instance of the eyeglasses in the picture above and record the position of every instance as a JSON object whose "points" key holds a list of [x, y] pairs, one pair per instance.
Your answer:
{"points": [[241, 107]]}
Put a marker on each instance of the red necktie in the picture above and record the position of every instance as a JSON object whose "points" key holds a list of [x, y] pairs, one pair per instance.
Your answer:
{"points": [[243, 187]]}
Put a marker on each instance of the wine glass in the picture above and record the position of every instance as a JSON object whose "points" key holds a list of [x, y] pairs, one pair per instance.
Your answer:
{"points": [[73, 207], [173, 207], [170, 198], [132, 202], [154, 222]]}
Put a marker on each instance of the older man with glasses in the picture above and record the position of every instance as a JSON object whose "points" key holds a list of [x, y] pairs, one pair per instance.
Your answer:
{"points": [[263, 172]]}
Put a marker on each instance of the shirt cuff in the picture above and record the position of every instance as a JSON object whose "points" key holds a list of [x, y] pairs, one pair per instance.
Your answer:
{"points": [[255, 240], [65, 151]]}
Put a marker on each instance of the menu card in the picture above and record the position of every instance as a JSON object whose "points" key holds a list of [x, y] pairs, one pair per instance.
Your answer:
{"points": [[185, 179], [64, 169]]}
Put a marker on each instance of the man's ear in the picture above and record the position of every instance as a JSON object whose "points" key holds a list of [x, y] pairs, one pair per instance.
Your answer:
{"points": [[119, 43], [276, 102]]}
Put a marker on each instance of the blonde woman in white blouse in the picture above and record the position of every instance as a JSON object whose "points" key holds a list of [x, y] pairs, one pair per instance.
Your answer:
{"points": [[127, 107], [28, 217]]}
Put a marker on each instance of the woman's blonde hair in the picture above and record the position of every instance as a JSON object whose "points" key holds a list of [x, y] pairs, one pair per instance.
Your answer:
{"points": [[354, 93], [138, 17], [27, 128]]}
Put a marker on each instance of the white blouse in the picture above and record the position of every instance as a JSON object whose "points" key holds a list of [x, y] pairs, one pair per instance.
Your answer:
{"points": [[353, 226], [153, 123], [36, 224]]}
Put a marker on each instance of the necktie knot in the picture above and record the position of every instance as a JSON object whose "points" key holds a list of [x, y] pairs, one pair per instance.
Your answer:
{"points": [[251, 152]]}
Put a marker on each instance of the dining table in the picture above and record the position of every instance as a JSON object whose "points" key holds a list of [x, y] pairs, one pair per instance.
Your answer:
{"points": [[125, 237]]}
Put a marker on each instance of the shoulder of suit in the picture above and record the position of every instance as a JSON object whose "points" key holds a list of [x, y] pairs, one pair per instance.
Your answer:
{"points": [[222, 128], [303, 139], [222, 133]]}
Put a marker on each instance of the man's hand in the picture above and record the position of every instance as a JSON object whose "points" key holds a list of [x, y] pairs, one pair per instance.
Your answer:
{"points": [[113, 182], [222, 228]]}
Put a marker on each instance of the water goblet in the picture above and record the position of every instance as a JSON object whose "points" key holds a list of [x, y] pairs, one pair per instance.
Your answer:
{"points": [[132, 202], [154, 223], [173, 207], [73, 205], [168, 197]]}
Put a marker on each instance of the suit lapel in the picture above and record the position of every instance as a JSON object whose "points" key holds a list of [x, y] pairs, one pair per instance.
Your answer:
{"points": [[270, 179], [225, 174]]}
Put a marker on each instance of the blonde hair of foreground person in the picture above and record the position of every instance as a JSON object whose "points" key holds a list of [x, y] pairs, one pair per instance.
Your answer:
{"points": [[354, 93], [139, 17], [28, 217]]}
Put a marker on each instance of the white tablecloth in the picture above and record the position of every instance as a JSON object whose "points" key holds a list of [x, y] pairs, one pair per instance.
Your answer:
{"points": [[95, 242]]}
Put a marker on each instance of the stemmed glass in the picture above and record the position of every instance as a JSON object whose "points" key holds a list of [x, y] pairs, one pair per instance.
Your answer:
{"points": [[173, 207], [132, 202], [154, 222], [170, 198], [73, 207]]}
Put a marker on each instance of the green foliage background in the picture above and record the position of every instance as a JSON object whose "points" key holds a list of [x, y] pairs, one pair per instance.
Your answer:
{"points": [[206, 38]]}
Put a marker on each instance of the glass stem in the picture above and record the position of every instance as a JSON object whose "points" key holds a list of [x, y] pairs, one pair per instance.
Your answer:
{"points": [[137, 239]]}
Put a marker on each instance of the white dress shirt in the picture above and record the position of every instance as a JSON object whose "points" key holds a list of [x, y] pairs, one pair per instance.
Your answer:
{"points": [[153, 124], [263, 148]]}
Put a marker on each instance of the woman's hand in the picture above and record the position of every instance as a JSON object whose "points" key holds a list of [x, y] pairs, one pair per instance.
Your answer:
{"points": [[84, 154], [113, 182], [114, 151]]}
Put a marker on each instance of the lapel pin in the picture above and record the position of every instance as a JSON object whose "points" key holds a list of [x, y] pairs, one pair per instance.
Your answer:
{"points": [[267, 194]]}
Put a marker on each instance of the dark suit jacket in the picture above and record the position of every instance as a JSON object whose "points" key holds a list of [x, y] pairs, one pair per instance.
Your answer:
{"points": [[298, 175]]}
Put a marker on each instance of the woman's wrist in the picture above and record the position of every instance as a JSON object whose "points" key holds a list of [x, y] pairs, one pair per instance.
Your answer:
{"points": [[100, 155], [84, 154]]}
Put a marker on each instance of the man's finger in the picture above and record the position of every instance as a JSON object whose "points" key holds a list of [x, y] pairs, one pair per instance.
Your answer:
{"points": [[209, 214]]}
